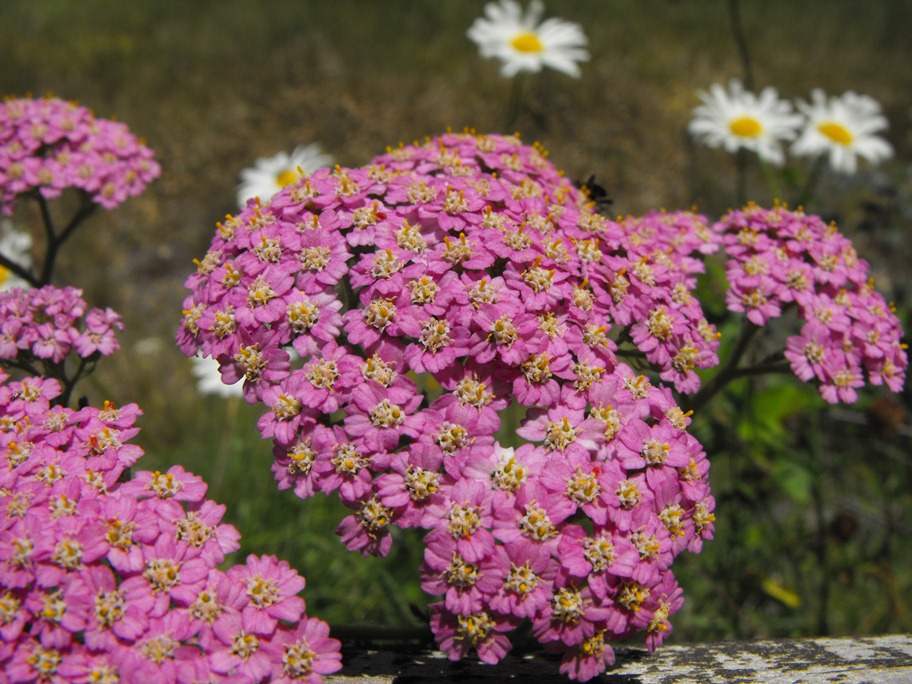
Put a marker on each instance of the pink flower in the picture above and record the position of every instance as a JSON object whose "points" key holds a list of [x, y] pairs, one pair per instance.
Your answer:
{"points": [[458, 633], [307, 654], [271, 588]]}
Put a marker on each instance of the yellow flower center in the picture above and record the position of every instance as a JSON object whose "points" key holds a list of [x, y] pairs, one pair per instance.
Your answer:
{"points": [[527, 42], [287, 177], [746, 127], [836, 132]]}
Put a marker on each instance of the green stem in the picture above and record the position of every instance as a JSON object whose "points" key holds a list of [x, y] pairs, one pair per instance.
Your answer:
{"points": [[729, 371], [772, 183], [514, 104], [813, 177], [737, 29], [741, 177]]}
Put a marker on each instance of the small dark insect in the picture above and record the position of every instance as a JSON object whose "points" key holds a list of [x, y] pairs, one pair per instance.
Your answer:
{"points": [[596, 193]]}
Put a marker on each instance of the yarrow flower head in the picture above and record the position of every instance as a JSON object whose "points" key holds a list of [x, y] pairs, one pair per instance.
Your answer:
{"points": [[737, 119], [270, 174], [104, 577], [522, 44], [43, 326], [48, 145], [386, 316], [782, 259], [843, 129]]}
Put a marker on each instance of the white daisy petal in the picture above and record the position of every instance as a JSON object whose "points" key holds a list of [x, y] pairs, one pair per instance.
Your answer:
{"points": [[209, 379], [17, 247], [843, 129], [736, 119], [269, 175], [522, 44]]}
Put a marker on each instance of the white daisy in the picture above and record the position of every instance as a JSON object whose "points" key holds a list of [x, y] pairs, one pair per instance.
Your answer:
{"points": [[737, 119], [268, 176], [17, 247], [209, 379], [524, 45], [843, 127]]}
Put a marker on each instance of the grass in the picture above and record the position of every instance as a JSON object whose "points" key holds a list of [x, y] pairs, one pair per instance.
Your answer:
{"points": [[212, 86]]}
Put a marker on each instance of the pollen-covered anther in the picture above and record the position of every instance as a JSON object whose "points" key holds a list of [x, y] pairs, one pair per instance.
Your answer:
{"points": [[424, 290], [457, 251], [455, 202], [509, 475], [631, 595], [162, 574], [535, 524], [463, 520], [655, 452], [387, 415], [385, 264], [451, 437], [474, 628], [347, 460], [538, 278], [314, 258], [302, 315], [435, 334], [380, 313], [286, 407], [521, 579], [420, 483], [582, 488], [471, 392], [503, 332], [599, 552], [659, 324], [537, 368], [461, 574], [262, 592], [628, 494], [567, 605], [322, 374], [559, 434], [672, 517]]}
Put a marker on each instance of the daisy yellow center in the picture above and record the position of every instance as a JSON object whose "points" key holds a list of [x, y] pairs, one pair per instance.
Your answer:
{"points": [[287, 177], [746, 127], [836, 132], [527, 42]]}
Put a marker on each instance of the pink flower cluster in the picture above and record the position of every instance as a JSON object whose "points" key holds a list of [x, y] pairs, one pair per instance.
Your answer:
{"points": [[47, 324], [48, 144], [780, 259], [104, 577], [396, 318]]}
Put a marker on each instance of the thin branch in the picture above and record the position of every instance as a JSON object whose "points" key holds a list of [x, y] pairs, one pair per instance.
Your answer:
{"points": [[729, 371]]}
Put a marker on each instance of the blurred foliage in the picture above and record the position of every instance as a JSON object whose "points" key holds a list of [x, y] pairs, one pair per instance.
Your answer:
{"points": [[814, 502]]}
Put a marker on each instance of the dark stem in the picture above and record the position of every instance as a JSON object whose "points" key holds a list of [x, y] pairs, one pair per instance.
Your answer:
{"points": [[54, 241], [23, 273], [729, 371], [737, 29]]}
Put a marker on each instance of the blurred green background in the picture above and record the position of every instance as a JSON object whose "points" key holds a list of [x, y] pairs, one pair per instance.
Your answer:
{"points": [[814, 502]]}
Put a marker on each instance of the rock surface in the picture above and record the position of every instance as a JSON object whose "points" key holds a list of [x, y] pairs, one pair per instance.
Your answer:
{"points": [[853, 660]]}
